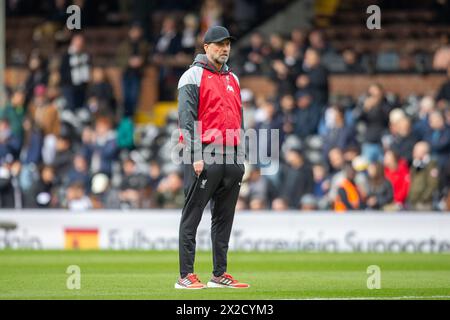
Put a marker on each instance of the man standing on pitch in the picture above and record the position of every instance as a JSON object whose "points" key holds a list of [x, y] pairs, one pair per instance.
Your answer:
{"points": [[210, 119]]}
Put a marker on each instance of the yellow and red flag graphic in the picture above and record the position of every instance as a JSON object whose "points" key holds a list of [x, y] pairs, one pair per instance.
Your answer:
{"points": [[85, 239]]}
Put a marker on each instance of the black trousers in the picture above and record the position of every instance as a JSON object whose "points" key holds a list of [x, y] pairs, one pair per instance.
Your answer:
{"points": [[220, 183]]}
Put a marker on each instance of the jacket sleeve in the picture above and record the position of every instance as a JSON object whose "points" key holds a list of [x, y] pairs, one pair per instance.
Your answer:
{"points": [[432, 183], [240, 150], [241, 145], [442, 144], [386, 196], [188, 99], [64, 70]]}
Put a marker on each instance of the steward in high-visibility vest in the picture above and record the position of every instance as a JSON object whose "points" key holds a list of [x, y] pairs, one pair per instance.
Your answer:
{"points": [[348, 196]]}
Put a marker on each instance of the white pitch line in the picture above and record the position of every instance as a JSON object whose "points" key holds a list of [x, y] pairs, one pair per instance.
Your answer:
{"points": [[99, 295], [378, 298]]}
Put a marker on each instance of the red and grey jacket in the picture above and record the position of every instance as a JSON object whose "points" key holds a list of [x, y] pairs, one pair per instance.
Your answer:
{"points": [[213, 98]]}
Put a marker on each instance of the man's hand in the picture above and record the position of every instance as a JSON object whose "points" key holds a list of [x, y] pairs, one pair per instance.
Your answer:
{"points": [[198, 167]]}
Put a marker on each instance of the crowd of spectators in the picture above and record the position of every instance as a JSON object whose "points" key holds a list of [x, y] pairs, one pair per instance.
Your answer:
{"points": [[66, 141], [257, 57], [373, 153], [376, 152]]}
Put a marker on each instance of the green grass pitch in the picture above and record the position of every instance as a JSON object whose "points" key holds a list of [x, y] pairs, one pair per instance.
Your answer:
{"points": [[286, 275]]}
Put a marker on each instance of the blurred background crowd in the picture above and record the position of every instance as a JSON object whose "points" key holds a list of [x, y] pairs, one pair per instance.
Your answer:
{"points": [[72, 134]]}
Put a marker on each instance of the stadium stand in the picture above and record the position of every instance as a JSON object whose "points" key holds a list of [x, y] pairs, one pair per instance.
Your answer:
{"points": [[377, 101]]}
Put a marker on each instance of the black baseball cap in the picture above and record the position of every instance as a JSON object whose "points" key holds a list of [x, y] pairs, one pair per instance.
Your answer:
{"points": [[217, 34]]}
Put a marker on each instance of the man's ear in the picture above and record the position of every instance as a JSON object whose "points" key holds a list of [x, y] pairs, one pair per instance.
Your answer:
{"points": [[205, 46]]}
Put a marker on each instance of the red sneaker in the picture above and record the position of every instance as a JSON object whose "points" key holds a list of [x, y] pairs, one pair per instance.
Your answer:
{"points": [[226, 281], [191, 281]]}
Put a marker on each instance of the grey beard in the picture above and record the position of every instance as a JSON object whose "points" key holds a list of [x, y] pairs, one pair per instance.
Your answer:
{"points": [[218, 60]]}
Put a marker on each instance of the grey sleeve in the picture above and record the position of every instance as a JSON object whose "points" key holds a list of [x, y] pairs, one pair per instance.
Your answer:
{"points": [[188, 99]]}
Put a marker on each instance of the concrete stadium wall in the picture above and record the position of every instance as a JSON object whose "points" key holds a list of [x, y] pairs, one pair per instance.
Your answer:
{"points": [[355, 85]]}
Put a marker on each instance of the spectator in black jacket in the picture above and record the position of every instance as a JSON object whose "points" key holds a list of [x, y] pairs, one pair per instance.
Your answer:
{"points": [[380, 192], [190, 34], [282, 78], [168, 46], [438, 137], [426, 106], [317, 41], [132, 57], [169, 40], [316, 77], [10, 193], [298, 37], [78, 172], [340, 135], [254, 56], [297, 179], [100, 146], [75, 73], [443, 95], [132, 184], [351, 61], [100, 94], [308, 116], [287, 114], [9, 144], [63, 157], [276, 43], [258, 190], [292, 58], [43, 190], [32, 143], [375, 114], [404, 139], [38, 74], [267, 118], [154, 175]]}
